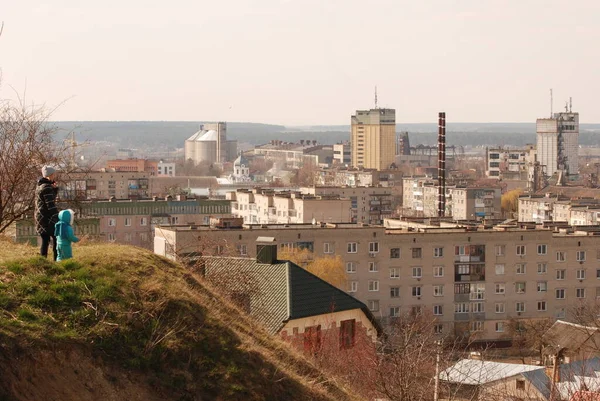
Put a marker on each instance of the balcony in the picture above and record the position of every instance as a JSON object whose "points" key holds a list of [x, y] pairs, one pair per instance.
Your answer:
{"points": [[458, 278]]}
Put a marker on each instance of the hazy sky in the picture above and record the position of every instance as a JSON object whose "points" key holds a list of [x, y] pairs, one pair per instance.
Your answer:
{"points": [[301, 62]]}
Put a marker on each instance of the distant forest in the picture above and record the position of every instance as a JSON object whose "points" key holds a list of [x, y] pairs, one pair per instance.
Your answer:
{"points": [[172, 134]]}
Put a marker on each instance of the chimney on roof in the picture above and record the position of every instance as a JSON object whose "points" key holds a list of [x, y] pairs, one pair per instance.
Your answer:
{"points": [[266, 250]]}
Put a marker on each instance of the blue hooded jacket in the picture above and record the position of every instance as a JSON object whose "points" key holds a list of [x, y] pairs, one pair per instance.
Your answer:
{"points": [[64, 234]]}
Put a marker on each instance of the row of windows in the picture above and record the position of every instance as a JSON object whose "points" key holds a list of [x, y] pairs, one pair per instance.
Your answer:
{"points": [[542, 268], [417, 271], [438, 252]]}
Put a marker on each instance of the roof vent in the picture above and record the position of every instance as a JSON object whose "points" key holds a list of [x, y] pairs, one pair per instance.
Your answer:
{"points": [[266, 250]]}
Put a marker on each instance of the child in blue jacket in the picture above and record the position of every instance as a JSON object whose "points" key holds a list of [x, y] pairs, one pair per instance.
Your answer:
{"points": [[64, 234]]}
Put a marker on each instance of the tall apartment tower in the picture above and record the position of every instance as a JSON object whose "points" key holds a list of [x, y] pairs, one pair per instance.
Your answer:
{"points": [[558, 142], [374, 138]]}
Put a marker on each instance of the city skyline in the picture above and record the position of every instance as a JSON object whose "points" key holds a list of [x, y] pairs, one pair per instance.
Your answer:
{"points": [[301, 63]]}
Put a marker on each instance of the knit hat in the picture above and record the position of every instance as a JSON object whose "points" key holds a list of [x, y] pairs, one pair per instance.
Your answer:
{"points": [[47, 171]]}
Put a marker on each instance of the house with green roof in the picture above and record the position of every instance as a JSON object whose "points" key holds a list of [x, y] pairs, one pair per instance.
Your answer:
{"points": [[291, 302]]}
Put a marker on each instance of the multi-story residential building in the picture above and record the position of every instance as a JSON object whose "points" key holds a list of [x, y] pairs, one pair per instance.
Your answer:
{"points": [[265, 206], [474, 282], [474, 203], [103, 185], [296, 155], [420, 196], [337, 176], [165, 169], [133, 165], [558, 143], [558, 208], [512, 164], [370, 205], [342, 153], [373, 138], [130, 221]]}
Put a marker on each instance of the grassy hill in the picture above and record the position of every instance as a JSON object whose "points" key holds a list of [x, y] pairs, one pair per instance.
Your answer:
{"points": [[120, 323]]}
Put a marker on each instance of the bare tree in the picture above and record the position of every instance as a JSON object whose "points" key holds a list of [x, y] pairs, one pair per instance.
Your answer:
{"points": [[26, 144]]}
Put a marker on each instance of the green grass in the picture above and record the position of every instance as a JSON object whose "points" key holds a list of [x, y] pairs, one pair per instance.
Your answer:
{"points": [[144, 313]]}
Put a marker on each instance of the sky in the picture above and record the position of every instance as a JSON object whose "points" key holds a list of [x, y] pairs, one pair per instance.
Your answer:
{"points": [[302, 62]]}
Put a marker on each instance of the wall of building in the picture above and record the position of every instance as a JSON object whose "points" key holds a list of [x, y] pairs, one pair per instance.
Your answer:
{"points": [[384, 268]]}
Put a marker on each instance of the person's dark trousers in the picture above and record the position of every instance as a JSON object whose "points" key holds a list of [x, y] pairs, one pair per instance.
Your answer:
{"points": [[46, 238]]}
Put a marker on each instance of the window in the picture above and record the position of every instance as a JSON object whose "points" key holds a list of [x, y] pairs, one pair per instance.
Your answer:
{"points": [[373, 247], [127, 237], [394, 311], [394, 292], [328, 247], [542, 249], [477, 307], [416, 311], [438, 310], [561, 256], [541, 306], [372, 267], [580, 292], [112, 222], [520, 287], [500, 269], [347, 334], [438, 290], [460, 250], [416, 291], [438, 252], [395, 253], [542, 268], [542, 286], [110, 237], [353, 286], [350, 267], [243, 248], [520, 384], [416, 253], [500, 307], [144, 221], [127, 221], [143, 237], [462, 307], [438, 328], [597, 292], [520, 268], [417, 272], [580, 274], [560, 293], [560, 313], [438, 271], [500, 250], [561, 274], [175, 220], [352, 247], [395, 272], [500, 288], [581, 256], [520, 307], [499, 327], [373, 285], [520, 250], [312, 339], [477, 325], [477, 292], [373, 305]]}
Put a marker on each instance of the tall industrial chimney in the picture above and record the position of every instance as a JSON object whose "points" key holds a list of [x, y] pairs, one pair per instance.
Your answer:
{"points": [[441, 164]]}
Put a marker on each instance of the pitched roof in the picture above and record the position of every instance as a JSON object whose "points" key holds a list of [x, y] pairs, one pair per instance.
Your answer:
{"points": [[478, 372], [571, 337], [280, 291], [572, 376]]}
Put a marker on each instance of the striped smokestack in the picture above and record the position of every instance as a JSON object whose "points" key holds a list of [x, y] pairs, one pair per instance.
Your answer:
{"points": [[441, 164]]}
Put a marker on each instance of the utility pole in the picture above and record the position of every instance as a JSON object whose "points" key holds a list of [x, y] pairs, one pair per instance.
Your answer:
{"points": [[436, 389]]}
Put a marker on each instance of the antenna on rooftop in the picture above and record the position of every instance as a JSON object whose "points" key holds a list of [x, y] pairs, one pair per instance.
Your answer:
{"points": [[566, 107], [551, 103], [375, 96], [570, 104]]}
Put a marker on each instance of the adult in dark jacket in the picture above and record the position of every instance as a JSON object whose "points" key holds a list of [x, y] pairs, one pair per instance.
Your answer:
{"points": [[46, 212]]}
